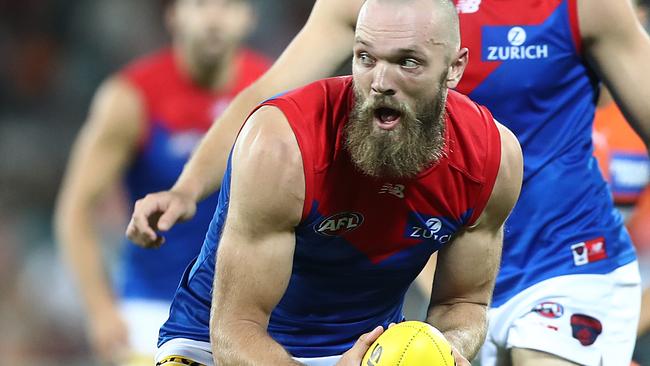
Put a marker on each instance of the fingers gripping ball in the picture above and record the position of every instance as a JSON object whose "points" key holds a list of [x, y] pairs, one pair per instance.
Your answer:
{"points": [[410, 343]]}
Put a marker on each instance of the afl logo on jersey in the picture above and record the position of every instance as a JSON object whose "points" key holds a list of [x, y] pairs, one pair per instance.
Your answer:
{"points": [[549, 309], [339, 223]]}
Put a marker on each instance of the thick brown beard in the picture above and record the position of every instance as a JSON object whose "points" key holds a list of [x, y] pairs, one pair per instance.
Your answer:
{"points": [[415, 144]]}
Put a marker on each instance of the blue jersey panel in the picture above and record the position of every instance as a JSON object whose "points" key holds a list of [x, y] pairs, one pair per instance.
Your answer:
{"points": [[154, 273]]}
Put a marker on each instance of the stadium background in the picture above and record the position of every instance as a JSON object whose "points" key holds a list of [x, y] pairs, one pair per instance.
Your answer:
{"points": [[53, 54]]}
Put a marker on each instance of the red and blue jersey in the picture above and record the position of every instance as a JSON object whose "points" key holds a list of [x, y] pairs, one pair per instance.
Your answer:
{"points": [[526, 66], [362, 240], [177, 114]]}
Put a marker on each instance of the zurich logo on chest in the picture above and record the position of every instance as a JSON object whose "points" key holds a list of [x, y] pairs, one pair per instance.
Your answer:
{"points": [[511, 43], [434, 229]]}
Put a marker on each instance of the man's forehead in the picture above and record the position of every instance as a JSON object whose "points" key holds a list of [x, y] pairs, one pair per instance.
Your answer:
{"points": [[398, 46], [394, 19], [395, 13], [407, 37]]}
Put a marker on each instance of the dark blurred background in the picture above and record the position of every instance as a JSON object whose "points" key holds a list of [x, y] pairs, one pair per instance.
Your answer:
{"points": [[54, 53]]}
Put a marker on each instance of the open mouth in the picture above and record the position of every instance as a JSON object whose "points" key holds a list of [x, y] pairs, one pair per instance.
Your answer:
{"points": [[387, 118]]}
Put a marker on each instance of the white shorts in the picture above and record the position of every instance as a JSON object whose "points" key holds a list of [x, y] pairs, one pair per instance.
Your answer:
{"points": [[200, 352], [144, 319], [587, 319]]}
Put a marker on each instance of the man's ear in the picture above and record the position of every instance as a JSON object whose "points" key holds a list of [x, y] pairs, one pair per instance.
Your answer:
{"points": [[457, 67]]}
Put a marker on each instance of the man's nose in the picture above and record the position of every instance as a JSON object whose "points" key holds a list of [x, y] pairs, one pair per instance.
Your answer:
{"points": [[382, 82]]}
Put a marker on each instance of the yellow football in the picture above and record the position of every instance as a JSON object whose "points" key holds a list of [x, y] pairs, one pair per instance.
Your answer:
{"points": [[410, 343]]}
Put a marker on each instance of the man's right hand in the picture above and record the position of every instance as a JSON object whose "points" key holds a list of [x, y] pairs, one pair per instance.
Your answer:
{"points": [[158, 212]]}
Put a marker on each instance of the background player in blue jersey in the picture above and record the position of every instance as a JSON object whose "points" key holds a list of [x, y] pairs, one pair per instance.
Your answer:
{"points": [[142, 126], [617, 53]]}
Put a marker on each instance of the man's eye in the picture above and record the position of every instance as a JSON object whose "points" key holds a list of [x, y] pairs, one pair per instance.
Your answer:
{"points": [[409, 63], [365, 59]]}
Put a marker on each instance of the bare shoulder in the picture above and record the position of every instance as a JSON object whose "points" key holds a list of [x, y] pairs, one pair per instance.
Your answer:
{"points": [[116, 90], [267, 167], [267, 135], [117, 112]]}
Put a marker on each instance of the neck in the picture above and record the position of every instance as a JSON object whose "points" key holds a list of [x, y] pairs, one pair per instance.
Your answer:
{"points": [[214, 76]]}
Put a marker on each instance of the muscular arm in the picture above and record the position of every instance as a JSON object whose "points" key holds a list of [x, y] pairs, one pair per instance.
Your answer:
{"points": [[99, 156], [620, 54], [466, 269], [316, 52], [255, 255]]}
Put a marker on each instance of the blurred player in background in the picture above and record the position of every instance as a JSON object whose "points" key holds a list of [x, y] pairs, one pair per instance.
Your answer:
{"points": [[144, 123], [536, 65], [623, 159]]}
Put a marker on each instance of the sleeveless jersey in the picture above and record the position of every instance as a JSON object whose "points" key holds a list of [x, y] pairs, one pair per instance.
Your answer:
{"points": [[178, 113], [361, 240], [526, 67]]}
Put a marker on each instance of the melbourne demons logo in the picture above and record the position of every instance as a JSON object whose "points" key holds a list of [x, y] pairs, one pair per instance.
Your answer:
{"points": [[585, 328], [339, 223]]}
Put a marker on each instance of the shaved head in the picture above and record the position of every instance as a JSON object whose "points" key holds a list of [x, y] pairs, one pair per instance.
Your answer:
{"points": [[443, 20]]}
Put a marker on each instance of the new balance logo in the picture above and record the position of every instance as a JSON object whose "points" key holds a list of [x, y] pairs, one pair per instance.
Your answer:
{"points": [[468, 6], [396, 190]]}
